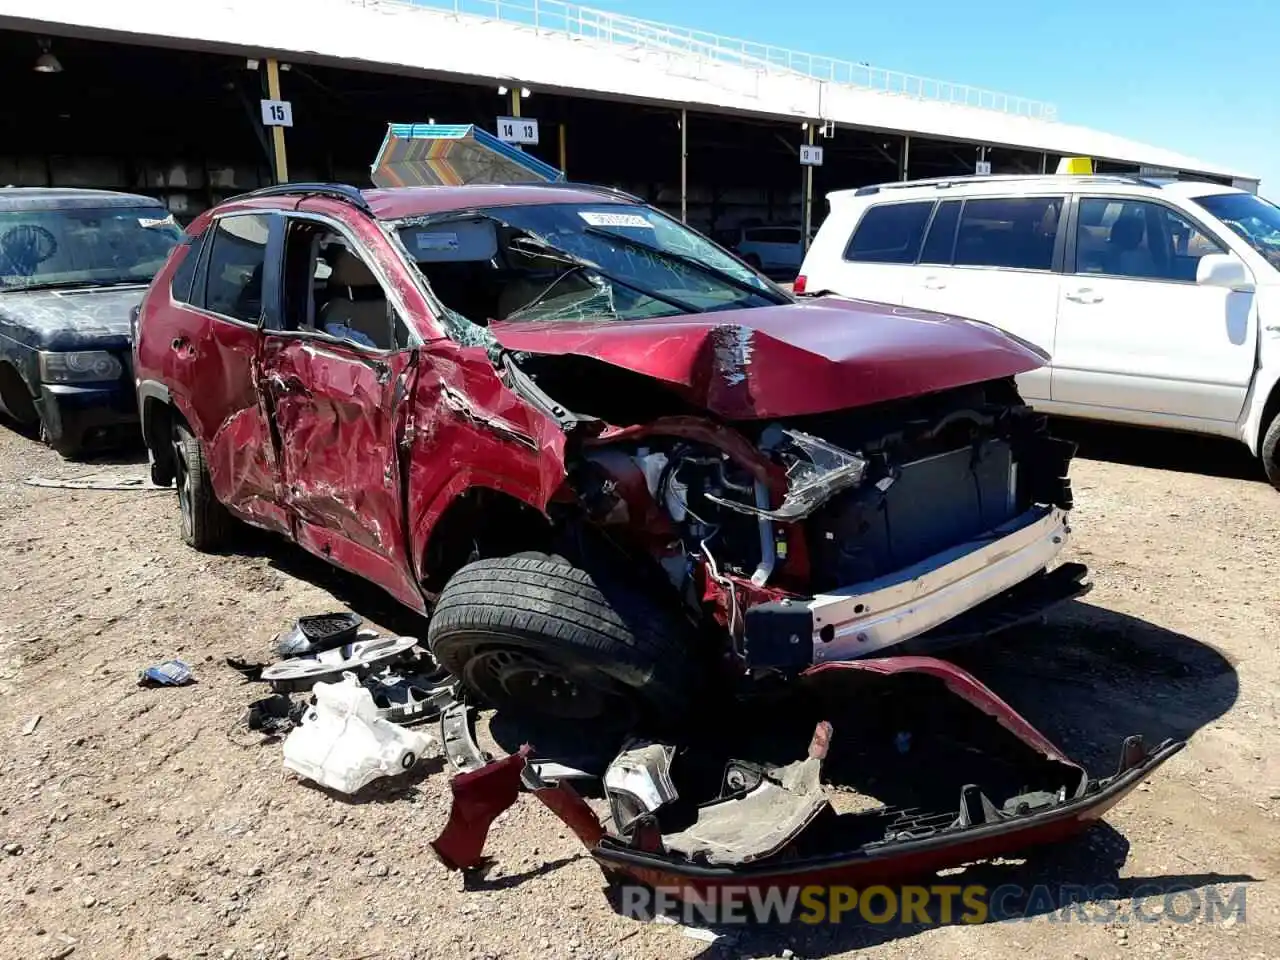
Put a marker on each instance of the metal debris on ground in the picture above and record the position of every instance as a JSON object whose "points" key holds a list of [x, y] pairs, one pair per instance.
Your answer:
{"points": [[30, 726], [97, 481], [368, 652], [171, 673]]}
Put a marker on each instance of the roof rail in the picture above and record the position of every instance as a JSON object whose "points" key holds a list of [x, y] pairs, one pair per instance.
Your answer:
{"points": [[943, 182], [334, 191]]}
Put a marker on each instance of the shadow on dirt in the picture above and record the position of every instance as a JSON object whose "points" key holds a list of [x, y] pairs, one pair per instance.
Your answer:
{"points": [[487, 876], [1089, 677], [123, 449], [387, 790], [1161, 449], [378, 608]]}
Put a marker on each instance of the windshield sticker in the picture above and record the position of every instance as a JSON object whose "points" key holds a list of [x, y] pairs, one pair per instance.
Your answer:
{"points": [[615, 220], [437, 241], [151, 222]]}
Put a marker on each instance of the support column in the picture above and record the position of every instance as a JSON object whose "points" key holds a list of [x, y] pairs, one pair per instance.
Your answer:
{"points": [[905, 164], [684, 166], [1044, 163], [277, 133], [808, 199], [564, 149], [515, 108]]}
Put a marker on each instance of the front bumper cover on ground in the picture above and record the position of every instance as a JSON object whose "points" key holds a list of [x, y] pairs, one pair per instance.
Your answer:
{"points": [[820, 849]]}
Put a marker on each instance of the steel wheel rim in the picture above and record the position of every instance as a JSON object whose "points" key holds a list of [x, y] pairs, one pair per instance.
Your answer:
{"points": [[516, 676]]}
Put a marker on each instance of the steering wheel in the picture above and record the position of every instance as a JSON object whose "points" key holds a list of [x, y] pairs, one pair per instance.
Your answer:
{"points": [[26, 246]]}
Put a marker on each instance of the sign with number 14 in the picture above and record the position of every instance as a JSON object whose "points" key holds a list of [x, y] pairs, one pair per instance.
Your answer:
{"points": [[518, 130]]}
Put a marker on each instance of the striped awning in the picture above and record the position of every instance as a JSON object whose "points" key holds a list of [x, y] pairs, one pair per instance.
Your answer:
{"points": [[436, 154]]}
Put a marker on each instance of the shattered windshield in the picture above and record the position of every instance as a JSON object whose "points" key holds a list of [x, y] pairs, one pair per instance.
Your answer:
{"points": [[1256, 220], [561, 262], [84, 247]]}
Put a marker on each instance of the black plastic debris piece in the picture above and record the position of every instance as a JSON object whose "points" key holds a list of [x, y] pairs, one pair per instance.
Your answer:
{"points": [[322, 631], [274, 716], [252, 672], [171, 673], [409, 698]]}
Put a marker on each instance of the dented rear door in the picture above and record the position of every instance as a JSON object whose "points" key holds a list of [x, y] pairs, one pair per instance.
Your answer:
{"points": [[339, 417]]}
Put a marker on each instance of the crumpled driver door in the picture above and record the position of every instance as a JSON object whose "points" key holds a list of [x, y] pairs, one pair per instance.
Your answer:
{"points": [[339, 414]]}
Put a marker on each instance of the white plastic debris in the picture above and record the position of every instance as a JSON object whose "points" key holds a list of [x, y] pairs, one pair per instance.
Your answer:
{"points": [[342, 743]]}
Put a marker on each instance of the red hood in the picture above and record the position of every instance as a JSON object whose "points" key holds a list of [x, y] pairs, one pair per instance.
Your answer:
{"points": [[807, 357]]}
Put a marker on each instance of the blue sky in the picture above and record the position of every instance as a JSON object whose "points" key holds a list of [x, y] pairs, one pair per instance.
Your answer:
{"points": [[1202, 78]]}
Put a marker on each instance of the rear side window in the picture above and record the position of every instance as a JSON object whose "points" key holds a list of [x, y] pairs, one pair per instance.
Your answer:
{"points": [[233, 287], [180, 284], [889, 233], [941, 240], [1011, 232]]}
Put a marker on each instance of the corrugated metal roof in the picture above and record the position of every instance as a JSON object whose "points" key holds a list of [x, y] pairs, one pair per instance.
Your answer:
{"points": [[550, 45]]}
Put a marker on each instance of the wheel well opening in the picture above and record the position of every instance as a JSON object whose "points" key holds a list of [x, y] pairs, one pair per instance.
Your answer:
{"points": [[1269, 412], [479, 524], [16, 397], [158, 420]]}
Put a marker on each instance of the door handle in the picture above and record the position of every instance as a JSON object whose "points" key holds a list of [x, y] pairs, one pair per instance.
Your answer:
{"points": [[1084, 295], [933, 283]]}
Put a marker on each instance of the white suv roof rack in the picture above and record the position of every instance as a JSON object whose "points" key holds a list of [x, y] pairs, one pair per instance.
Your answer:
{"points": [[943, 182]]}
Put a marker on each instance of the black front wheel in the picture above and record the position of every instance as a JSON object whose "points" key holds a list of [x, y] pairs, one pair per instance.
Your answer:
{"points": [[205, 521], [535, 634]]}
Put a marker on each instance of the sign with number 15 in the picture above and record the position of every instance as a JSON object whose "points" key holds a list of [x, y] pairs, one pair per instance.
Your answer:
{"points": [[277, 113]]}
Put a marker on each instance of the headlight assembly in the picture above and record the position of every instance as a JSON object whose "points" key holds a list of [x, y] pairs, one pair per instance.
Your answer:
{"points": [[81, 366]]}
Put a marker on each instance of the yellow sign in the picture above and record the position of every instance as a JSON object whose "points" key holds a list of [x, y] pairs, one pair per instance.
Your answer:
{"points": [[1076, 166]]}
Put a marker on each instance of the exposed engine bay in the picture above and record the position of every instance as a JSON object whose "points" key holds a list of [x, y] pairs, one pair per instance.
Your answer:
{"points": [[800, 506]]}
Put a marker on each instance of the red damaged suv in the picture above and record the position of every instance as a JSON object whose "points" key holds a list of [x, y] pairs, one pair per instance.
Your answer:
{"points": [[610, 458]]}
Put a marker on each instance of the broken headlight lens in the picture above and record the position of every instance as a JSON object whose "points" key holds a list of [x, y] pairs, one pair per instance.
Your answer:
{"points": [[81, 366], [816, 472]]}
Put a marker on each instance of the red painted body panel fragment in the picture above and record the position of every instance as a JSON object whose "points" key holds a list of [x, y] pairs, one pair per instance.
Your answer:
{"points": [[789, 360], [479, 796]]}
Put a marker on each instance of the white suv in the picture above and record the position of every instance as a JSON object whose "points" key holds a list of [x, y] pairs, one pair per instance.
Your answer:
{"points": [[771, 249], [1158, 301]]}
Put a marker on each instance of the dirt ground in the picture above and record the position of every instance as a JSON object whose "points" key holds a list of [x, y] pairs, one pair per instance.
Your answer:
{"points": [[137, 824]]}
